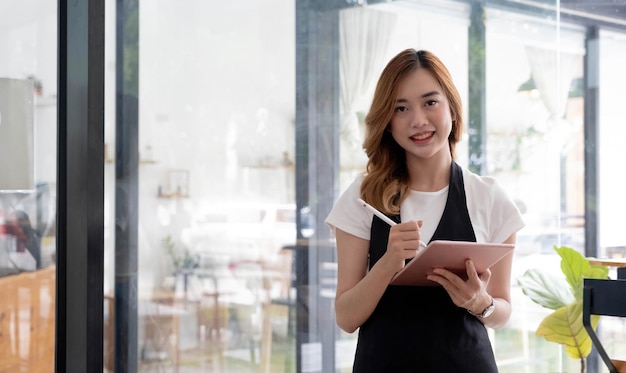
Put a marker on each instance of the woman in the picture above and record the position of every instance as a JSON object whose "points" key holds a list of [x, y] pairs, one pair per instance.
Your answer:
{"points": [[413, 125]]}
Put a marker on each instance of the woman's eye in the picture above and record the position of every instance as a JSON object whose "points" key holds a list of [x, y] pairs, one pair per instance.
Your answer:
{"points": [[401, 109], [431, 102]]}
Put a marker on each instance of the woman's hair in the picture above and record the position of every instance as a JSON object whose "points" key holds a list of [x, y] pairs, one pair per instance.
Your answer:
{"points": [[386, 183]]}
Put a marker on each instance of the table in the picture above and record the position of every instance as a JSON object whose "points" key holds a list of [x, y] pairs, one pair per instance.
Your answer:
{"points": [[619, 263]]}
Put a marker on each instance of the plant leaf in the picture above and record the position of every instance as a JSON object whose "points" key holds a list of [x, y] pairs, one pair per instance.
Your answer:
{"points": [[576, 268], [573, 265], [545, 289], [565, 326], [597, 272]]}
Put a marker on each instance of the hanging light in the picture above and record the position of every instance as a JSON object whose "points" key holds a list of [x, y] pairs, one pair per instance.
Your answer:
{"points": [[529, 88], [577, 88]]}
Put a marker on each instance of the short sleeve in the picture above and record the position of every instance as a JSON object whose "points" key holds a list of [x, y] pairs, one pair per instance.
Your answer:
{"points": [[505, 218], [348, 215], [495, 216]]}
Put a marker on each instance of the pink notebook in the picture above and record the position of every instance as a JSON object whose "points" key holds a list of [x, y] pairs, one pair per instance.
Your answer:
{"points": [[450, 255]]}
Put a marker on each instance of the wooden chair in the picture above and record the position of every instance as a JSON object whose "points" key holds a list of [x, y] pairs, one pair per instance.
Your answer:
{"points": [[279, 278], [160, 351], [605, 298], [213, 316], [159, 317]]}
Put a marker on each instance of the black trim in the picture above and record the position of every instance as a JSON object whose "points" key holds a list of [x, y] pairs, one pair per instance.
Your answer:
{"points": [[126, 185], [477, 100], [591, 120], [80, 187], [590, 124], [317, 170]]}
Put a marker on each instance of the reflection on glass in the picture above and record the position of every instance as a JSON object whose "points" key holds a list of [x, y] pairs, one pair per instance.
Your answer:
{"points": [[217, 219], [28, 80]]}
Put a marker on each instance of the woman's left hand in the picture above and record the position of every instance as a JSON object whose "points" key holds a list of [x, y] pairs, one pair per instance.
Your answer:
{"points": [[471, 294]]}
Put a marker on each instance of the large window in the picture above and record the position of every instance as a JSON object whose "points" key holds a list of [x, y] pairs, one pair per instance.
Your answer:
{"points": [[229, 130]]}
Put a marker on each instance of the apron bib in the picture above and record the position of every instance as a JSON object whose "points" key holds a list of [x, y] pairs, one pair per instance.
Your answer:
{"points": [[419, 328]]}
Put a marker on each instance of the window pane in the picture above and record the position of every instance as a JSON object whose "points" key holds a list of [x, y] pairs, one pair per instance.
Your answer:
{"points": [[216, 186], [612, 54], [250, 124], [28, 117], [535, 149]]}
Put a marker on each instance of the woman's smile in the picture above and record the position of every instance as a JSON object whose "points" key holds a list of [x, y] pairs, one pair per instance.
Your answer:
{"points": [[420, 137]]}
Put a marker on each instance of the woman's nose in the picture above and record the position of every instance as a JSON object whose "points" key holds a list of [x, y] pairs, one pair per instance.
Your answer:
{"points": [[418, 119]]}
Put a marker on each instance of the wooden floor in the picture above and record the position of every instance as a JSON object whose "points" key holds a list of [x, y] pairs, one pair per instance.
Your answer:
{"points": [[27, 321]]}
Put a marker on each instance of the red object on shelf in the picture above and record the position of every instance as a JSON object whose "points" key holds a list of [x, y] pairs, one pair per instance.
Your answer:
{"points": [[3, 227]]}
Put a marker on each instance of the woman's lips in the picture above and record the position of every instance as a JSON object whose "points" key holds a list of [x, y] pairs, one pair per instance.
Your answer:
{"points": [[422, 136]]}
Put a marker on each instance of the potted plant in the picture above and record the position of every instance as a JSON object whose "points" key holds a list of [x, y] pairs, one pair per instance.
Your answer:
{"points": [[183, 260], [564, 326]]}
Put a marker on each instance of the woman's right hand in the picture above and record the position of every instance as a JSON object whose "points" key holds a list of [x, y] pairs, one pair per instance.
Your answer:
{"points": [[404, 243]]}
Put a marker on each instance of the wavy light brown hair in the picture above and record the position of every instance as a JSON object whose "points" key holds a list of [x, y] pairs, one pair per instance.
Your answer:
{"points": [[386, 183]]}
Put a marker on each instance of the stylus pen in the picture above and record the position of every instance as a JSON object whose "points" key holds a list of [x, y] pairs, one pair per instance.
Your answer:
{"points": [[382, 216]]}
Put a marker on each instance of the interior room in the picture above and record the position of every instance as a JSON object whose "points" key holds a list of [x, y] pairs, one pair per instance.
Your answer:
{"points": [[230, 128]]}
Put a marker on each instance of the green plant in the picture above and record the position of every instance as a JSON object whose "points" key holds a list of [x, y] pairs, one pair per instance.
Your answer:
{"points": [[564, 326], [182, 258]]}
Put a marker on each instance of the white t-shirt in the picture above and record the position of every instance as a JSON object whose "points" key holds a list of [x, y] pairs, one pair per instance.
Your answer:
{"points": [[493, 214]]}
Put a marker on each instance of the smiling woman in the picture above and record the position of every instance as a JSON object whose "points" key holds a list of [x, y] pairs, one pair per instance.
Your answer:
{"points": [[413, 178], [264, 104]]}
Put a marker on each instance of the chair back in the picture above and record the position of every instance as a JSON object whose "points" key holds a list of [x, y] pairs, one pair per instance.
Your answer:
{"points": [[603, 297]]}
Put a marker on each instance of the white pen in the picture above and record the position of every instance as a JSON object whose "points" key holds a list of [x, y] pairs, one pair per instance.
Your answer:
{"points": [[382, 216]]}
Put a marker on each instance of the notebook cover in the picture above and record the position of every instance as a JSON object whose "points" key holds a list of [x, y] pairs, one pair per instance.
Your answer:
{"points": [[450, 255]]}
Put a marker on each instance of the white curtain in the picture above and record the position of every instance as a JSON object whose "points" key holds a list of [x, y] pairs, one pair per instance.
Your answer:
{"points": [[364, 36], [553, 73]]}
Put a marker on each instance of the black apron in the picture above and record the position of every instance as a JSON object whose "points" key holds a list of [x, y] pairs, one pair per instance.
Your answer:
{"points": [[419, 328]]}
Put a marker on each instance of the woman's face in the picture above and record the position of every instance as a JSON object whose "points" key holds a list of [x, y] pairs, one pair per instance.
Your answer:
{"points": [[422, 121]]}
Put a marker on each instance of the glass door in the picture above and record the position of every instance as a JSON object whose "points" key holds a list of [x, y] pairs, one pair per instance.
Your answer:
{"points": [[200, 214], [232, 127], [28, 133]]}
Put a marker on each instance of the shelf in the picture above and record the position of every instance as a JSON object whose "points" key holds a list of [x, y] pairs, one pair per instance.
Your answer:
{"points": [[270, 167], [173, 196], [143, 161]]}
